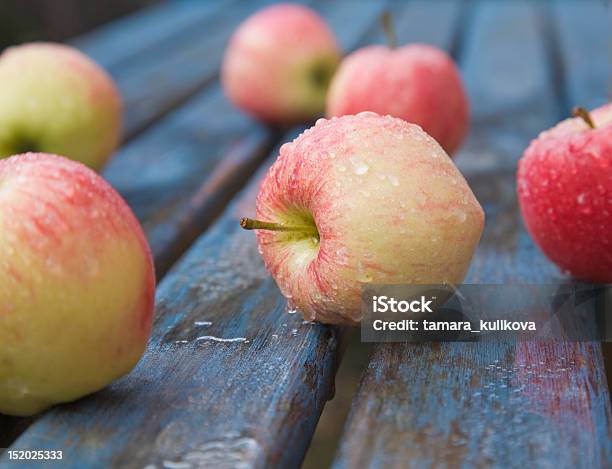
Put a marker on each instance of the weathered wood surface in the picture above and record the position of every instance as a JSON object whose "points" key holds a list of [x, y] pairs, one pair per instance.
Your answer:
{"points": [[204, 144], [492, 405], [258, 400], [158, 71], [584, 36], [124, 38]]}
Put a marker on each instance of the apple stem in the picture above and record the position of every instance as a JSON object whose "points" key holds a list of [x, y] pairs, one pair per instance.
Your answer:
{"points": [[389, 29], [584, 115], [251, 224]]}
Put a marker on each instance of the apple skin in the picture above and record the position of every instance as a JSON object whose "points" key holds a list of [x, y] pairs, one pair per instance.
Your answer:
{"points": [[564, 186], [418, 83], [76, 283], [389, 206], [278, 64], [54, 99]]}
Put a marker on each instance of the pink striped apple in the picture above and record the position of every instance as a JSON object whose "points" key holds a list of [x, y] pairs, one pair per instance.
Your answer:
{"points": [[54, 99], [76, 283], [278, 64], [361, 199]]}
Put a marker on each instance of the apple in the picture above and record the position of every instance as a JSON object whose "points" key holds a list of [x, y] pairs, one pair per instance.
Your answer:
{"points": [[278, 64], [565, 192], [76, 283], [418, 83], [54, 99], [360, 199]]}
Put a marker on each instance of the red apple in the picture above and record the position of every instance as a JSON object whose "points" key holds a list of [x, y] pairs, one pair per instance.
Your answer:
{"points": [[278, 64], [361, 199], [417, 82], [76, 283], [565, 194]]}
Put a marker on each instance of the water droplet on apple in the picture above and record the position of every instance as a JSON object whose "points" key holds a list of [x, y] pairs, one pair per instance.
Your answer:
{"points": [[310, 316], [393, 180], [461, 216], [581, 199], [93, 266], [363, 276], [359, 167], [367, 114]]}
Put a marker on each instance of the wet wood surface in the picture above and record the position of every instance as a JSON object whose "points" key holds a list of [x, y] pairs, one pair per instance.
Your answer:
{"points": [[498, 405]]}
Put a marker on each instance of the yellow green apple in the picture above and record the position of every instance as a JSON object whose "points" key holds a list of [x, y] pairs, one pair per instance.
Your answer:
{"points": [[76, 283], [54, 99]]}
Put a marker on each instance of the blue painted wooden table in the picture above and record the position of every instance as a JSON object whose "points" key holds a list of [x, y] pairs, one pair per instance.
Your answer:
{"points": [[190, 166]]}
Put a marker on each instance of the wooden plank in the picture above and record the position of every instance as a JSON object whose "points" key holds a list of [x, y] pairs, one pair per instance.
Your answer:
{"points": [[583, 36], [190, 154], [588, 79], [414, 20], [186, 401], [489, 405], [125, 38], [160, 78]]}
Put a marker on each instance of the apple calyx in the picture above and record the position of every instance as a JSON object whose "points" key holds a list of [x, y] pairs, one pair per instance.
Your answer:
{"points": [[389, 29], [252, 224], [321, 75], [23, 144], [584, 115]]}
